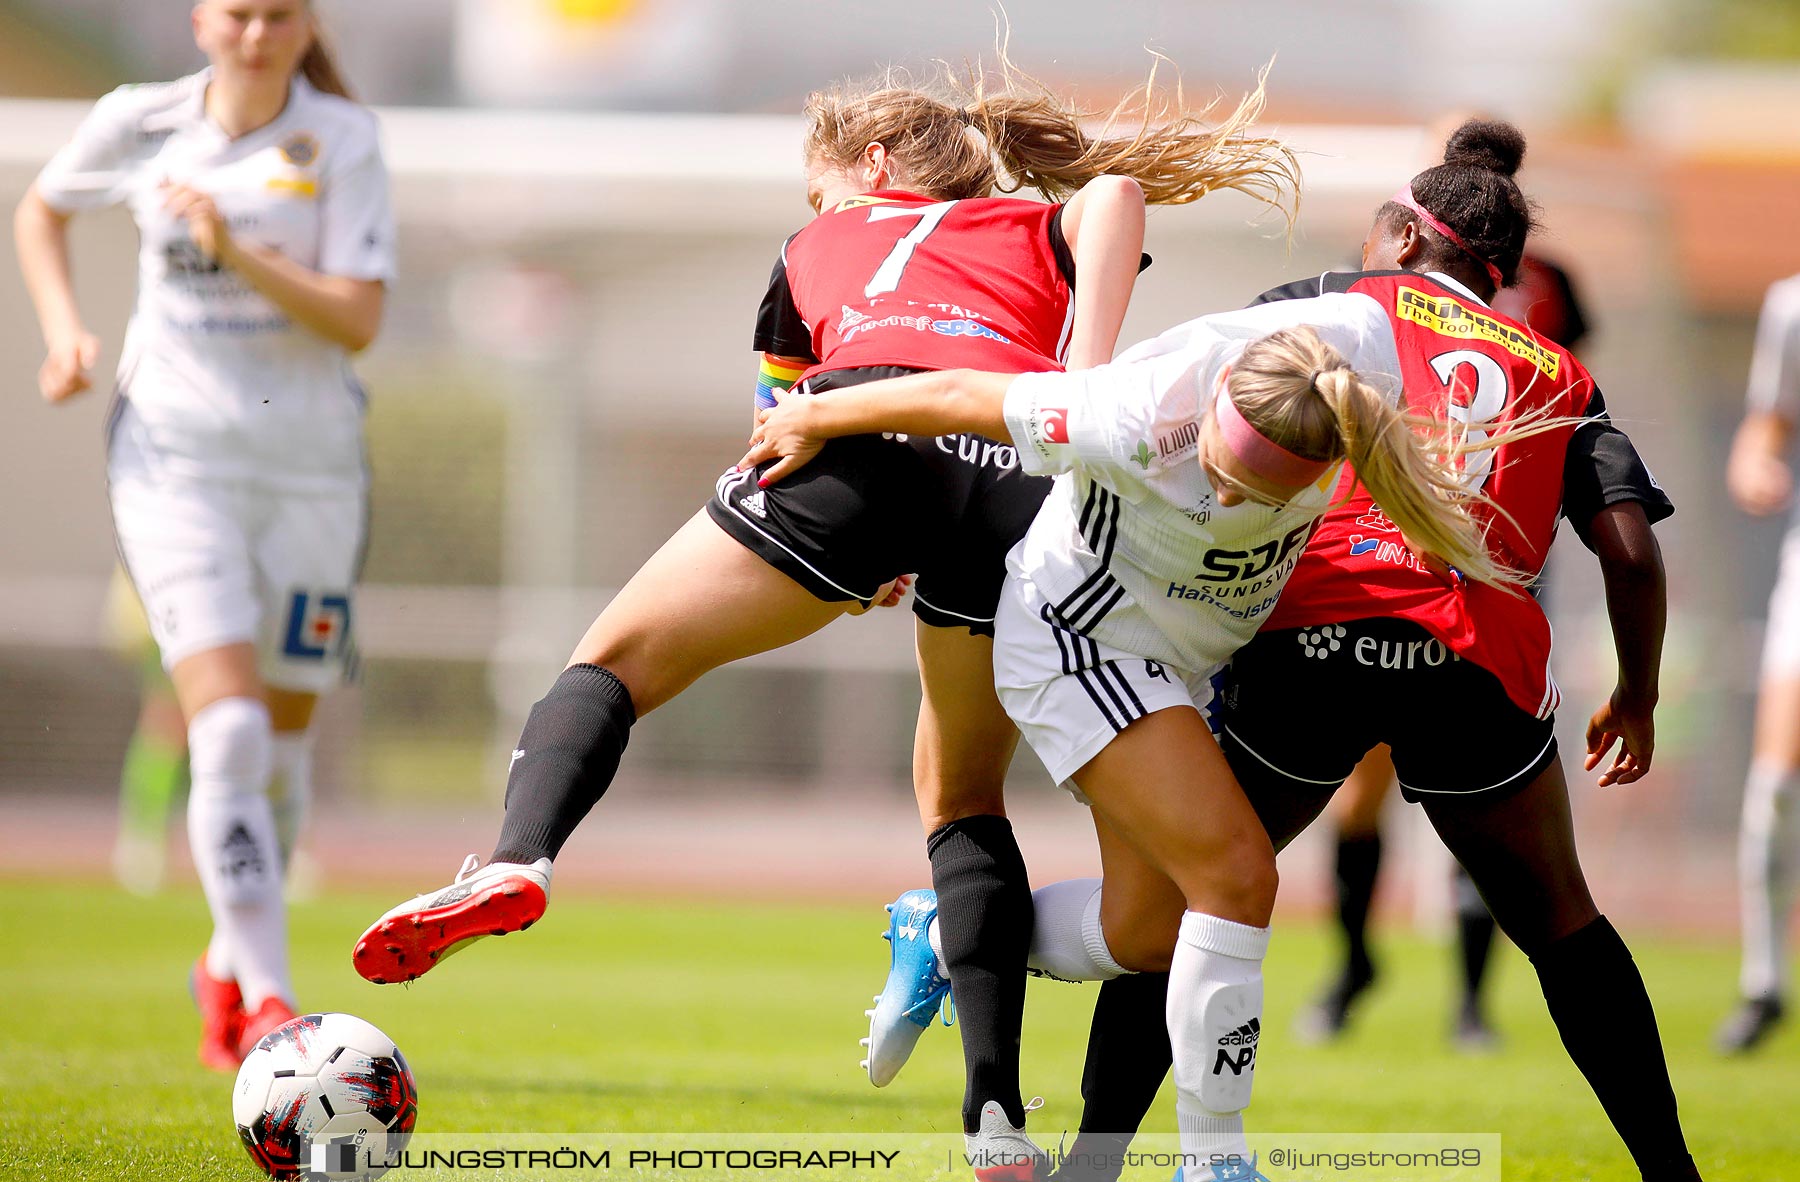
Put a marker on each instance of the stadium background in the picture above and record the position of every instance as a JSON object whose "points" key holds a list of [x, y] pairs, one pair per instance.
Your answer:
{"points": [[590, 194]]}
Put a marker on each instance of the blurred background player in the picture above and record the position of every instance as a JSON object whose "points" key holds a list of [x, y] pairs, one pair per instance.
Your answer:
{"points": [[909, 265], [1761, 480], [154, 774], [1542, 296], [235, 460]]}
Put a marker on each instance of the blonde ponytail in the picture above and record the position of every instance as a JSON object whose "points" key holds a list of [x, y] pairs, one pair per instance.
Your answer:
{"points": [[1301, 393], [1421, 493]]}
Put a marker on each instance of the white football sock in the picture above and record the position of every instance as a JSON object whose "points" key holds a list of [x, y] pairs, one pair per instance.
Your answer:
{"points": [[1066, 940], [1768, 871], [1215, 1020], [231, 832], [290, 788], [218, 955]]}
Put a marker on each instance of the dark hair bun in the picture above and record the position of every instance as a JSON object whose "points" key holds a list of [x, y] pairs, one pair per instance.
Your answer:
{"points": [[1489, 144]]}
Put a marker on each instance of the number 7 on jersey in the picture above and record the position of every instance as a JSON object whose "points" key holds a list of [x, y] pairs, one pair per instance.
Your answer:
{"points": [[887, 276]]}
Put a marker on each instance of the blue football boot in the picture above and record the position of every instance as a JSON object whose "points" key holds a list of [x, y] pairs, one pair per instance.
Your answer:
{"points": [[1237, 1170], [916, 990]]}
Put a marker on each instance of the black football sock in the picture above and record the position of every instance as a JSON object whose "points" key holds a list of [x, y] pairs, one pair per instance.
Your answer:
{"points": [[984, 921], [1128, 1058], [1474, 937], [1597, 999], [1358, 861], [567, 756]]}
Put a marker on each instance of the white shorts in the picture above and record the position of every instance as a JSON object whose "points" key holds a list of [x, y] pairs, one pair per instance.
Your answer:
{"points": [[218, 563], [1781, 643], [1069, 694]]}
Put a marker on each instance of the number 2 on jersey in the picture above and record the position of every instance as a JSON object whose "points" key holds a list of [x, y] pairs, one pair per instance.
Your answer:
{"points": [[1483, 406], [887, 276]]}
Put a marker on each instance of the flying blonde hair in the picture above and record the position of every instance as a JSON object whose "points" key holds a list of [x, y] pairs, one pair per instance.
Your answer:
{"points": [[959, 137], [1301, 393]]}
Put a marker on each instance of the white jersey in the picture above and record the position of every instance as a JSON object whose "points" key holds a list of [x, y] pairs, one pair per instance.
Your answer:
{"points": [[1775, 365], [215, 378], [1131, 547]]}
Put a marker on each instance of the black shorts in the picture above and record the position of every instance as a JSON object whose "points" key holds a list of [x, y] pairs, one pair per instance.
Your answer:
{"points": [[1306, 704], [869, 508]]}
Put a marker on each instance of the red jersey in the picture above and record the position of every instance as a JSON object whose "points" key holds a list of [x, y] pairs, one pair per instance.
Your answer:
{"points": [[895, 279], [1461, 360]]}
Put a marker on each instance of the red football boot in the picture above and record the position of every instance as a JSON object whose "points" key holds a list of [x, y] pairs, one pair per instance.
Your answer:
{"points": [[491, 900], [221, 1006], [267, 1016]]}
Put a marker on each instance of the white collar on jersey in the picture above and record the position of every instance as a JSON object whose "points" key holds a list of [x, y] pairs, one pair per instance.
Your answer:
{"points": [[1456, 285], [193, 111]]}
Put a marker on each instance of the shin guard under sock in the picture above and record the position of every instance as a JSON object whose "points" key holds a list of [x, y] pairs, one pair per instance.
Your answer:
{"points": [[1128, 1058], [567, 756], [984, 920], [231, 833], [1215, 1023], [1597, 999]]}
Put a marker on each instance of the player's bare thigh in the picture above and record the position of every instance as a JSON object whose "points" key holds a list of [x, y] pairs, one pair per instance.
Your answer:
{"points": [[964, 741], [1520, 851], [1163, 785], [701, 601]]}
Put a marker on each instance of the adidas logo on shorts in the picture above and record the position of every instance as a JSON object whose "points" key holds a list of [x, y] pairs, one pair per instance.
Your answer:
{"points": [[754, 504], [1324, 642]]}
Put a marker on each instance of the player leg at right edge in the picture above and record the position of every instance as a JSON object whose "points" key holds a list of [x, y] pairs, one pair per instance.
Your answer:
{"points": [[1768, 875], [1769, 827]]}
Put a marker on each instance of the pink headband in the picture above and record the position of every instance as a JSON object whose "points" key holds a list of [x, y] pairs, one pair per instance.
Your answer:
{"points": [[1405, 197], [1258, 452]]}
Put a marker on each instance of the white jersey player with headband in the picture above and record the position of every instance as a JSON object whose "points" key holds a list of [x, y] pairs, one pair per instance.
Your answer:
{"points": [[1761, 479], [234, 446], [1133, 554], [1190, 472]]}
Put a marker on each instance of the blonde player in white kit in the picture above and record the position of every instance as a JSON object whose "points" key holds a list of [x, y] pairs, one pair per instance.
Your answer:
{"points": [[235, 457], [1761, 478], [1189, 475]]}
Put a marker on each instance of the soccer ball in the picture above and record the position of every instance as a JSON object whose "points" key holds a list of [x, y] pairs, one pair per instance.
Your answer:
{"points": [[324, 1096]]}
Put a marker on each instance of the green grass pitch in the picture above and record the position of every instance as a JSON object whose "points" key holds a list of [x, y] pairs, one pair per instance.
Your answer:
{"points": [[636, 1017]]}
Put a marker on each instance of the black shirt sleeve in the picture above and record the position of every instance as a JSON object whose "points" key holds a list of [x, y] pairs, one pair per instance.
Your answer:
{"points": [[779, 328], [1065, 258], [1601, 468], [1318, 285]]}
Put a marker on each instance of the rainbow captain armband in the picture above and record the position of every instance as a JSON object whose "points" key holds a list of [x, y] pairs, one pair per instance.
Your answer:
{"points": [[775, 374]]}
